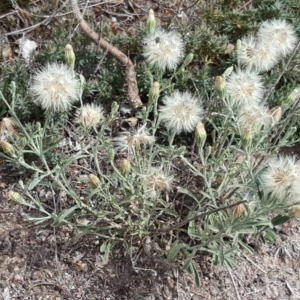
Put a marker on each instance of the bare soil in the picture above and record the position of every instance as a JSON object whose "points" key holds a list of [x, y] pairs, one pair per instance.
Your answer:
{"points": [[42, 262]]}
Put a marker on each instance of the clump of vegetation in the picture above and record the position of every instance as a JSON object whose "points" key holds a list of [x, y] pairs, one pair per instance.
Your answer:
{"points": [[196, 169]]}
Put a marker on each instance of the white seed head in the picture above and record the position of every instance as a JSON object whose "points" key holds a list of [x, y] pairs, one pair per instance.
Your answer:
{"points": [[256, 55], [181, 112], [254, 116], [90, 115], [7, 128], [55, 87], [282, 178], [279, 35], [129, 142], [245, 87], [156, 181], [163, 50]]}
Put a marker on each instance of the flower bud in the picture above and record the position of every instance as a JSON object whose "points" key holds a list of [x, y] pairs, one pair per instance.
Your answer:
{"points": [[7, 148], [227, 72], [239, 210], [69, 56], [238, 45], [124, 166], [151, 22], [16, 197], [247, 135], [154, 92], [200, 135], [220, 86], [111, 154], [188, 59], [276, 114], [294, 212], [293, 97], [94, 180]]}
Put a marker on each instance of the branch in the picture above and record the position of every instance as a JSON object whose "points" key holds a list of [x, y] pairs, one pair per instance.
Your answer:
{"points": [[133, 97], [180, 224]]}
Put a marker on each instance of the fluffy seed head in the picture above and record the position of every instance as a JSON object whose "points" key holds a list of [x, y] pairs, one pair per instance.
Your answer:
{"points": [[239, 210], [282, 178], [156, 181], [181, 112], [163, 50], [276, 114], [90, 115], [254, 117], [7, 127], [279, 34], [131, 141], [245, 87], [55, 87], [255, 55]]}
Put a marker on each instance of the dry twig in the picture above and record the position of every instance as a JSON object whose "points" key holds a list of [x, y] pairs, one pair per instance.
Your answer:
{"points": [[133, 97]]}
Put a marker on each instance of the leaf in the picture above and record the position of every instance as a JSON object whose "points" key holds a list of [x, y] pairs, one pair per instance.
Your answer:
{"points": [[171, 212], [279, 220], [61, 218], [270, 235], [36, 181], [176, 247], [195, 274], [187, 192]]}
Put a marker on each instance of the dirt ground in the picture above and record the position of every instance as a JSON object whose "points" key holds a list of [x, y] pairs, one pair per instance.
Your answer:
{"points": [[42, 262]]}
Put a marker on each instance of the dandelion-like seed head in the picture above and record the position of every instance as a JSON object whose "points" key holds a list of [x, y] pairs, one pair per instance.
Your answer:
{"points": [[131, 141], [254, 116], [155, 181], [278, 33], [90, 115], [181, 112], [255, 55], [7, 128], [282, 178], [163, 50], [55, 87], [245, 87]]}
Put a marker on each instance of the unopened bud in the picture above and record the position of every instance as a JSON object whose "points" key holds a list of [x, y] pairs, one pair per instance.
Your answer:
{"points": [[292, 98], [239, 210], [247, 135], [94, 180], [238, 45], [276, 114], [294, 212], [69, 56], [7, 148], [200, 135], [151, 22], [154, 92], [227, 72], [124, 166], [188, 59], [111, 154], [16, 197], [220, 86]]}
